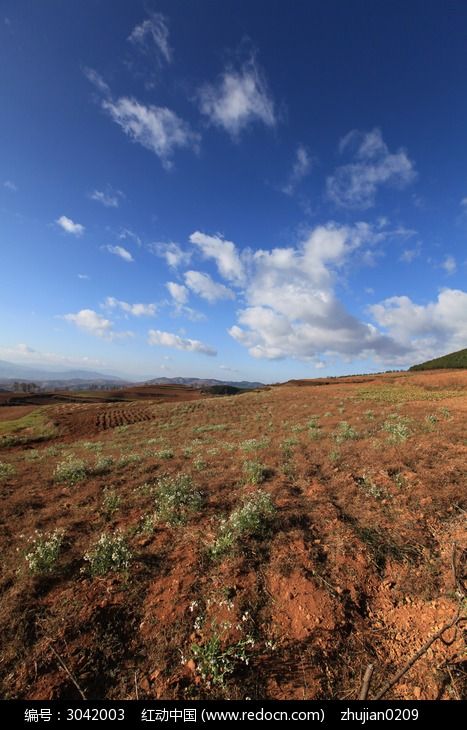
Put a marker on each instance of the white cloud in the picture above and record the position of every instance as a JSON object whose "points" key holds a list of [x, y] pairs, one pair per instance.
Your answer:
{"points": [[426, 330], [238, 99], [137, 310], [83, 276], [301, 168], [292, 310], [223, 252], [24, 354], [178, 292], [158, 129], [93, 323], [152, 36], [168, 339], [97, 81], [10, 185], [69, 226], [449, 265], [463, 203], [120, 251], [127, 234], [110, 198], [355, 185], [171, 252], [205, 287], [409, 254]]}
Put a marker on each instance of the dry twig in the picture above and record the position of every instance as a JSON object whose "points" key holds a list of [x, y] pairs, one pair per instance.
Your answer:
{"points": [[72, 677], [366, 682]]}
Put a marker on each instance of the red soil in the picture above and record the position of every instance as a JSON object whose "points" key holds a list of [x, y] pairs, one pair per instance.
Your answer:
{"points": [[356, 568]]}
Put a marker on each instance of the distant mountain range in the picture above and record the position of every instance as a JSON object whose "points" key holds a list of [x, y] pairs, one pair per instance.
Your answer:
{"points": [[453, 360], [13, 371], [204, 382], [10, 372]]}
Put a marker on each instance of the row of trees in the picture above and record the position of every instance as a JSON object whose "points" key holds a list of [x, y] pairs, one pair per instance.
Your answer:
{"points": [[25, 387]]}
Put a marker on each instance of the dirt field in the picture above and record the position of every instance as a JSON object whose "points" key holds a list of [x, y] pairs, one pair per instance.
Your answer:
{"points": [[266, 545]]}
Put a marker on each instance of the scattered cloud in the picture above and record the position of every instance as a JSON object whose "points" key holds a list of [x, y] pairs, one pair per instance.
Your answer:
{"points": [[228, 369], [120, 251], [158, 129], [356, 184], [22, 353], [168, 339], [83, 276], [76, 229], [97, 81], [223, 252], [94, 324], [238, 99], [449, 265], [110, 198], [127, 234], [300, 169], [171, 252], [426, 330], [291, 306], [10, 185], [409, 254], [178, 292], [203, 285], [137, 310], [152, 37]]}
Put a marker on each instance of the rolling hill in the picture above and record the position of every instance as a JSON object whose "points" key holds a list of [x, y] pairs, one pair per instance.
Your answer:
{"points": [[453, 360]]}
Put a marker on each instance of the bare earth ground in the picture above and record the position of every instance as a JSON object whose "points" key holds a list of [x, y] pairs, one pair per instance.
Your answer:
{"points": [[368, 479]]}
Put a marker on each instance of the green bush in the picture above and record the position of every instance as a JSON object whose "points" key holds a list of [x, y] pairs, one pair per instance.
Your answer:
{"points": [[165, 454], [254, 471], [397, 428], [6, 470], [345, 432], [252, 519], [71, 471], [44, 550], [176, 498], [103, 465], [110, 502], [109, 554], [215, 661]]}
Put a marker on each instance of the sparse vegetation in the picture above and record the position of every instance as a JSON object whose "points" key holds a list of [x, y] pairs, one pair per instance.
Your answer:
{"points": [[43, 551], [344, 433], [216, 660], [398, 428], [110, 553], [176, 498], [71, 471], [165, 454], [6, 470], [252, 519], [111, 502], [276, 535], [254, 471]]}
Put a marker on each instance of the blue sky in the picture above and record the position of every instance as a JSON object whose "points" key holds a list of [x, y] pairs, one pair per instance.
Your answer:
{"points": [[237, 190]]}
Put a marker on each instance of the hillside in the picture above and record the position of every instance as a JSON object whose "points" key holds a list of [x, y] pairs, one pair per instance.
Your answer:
{"points": [[264, 546], [205, 382], [453, 360]]}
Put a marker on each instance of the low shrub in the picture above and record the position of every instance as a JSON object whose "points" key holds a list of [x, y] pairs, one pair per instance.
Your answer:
{"points": [[110, 553]]}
